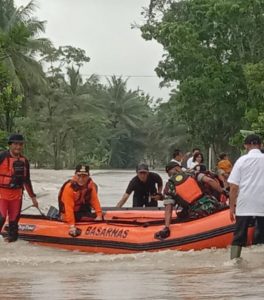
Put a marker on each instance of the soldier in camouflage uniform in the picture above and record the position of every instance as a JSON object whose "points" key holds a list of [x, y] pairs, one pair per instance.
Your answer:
{"points": [[184, 191]]}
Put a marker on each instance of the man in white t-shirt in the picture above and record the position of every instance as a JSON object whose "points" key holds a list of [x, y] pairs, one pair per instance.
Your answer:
{"points": [[247, 193], [190, 160], [177, 156]]}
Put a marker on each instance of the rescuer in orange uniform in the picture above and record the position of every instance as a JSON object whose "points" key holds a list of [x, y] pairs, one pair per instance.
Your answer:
{"points": [[14, 177], [76, 198]]}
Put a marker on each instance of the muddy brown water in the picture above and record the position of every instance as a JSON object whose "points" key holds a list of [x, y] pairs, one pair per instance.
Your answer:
{"points": [[33, 272]]}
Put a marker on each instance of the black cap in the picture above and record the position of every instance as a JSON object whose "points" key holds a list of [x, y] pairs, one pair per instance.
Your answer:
{"points": [[15, 138], [142, 167], [82, 169], [171, 165], [252, 139]]}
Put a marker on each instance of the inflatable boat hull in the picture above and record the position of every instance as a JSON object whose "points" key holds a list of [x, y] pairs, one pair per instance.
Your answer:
{"points": [[131, 231]]}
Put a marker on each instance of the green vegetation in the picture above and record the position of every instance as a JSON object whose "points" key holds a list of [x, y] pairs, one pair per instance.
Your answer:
{"points": [[214, 50], [213, 61]]}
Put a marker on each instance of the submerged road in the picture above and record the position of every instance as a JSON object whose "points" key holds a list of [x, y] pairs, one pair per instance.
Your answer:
{"points": [[33, 272]]}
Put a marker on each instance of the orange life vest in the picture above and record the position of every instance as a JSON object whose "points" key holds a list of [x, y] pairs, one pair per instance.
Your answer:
{"points": [[13, 172], [186, 188], [81, 195]]}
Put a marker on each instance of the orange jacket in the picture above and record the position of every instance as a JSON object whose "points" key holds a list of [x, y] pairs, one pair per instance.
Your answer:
{"points": [[70, 200], [225, 165], [7, 191]]}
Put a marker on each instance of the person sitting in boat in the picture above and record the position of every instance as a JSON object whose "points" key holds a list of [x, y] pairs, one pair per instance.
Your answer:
{"points": [[224, 168], [210, 183], [178, 157], [197, 160], [184, 190], [147, 188], [224, 163], [76, 198], [190, 160]]}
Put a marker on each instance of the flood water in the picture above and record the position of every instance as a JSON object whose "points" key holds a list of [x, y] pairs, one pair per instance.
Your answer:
{"points": [[33, 272]]}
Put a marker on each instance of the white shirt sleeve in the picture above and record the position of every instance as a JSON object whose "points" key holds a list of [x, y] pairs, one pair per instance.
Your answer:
{"points": [[189, 162], [193, 164], [235, 175]]}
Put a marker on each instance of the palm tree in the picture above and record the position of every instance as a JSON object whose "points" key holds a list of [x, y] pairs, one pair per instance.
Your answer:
{"points": [[20, 44], [125, 111], [122, 106]]}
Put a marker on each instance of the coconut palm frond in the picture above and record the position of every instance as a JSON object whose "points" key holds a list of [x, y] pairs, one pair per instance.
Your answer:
{"points": [[25, 12], [35, 26]]}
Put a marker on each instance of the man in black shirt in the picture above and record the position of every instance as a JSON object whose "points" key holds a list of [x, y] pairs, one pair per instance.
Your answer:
{"points": [[147, 187]]}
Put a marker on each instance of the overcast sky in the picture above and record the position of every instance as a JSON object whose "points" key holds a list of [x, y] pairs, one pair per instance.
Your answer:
{"points": [[103, 29]]}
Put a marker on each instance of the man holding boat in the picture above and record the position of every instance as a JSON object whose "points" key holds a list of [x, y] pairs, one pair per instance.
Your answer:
{"points": [[147, 188], [76, 198], [14, 177]]}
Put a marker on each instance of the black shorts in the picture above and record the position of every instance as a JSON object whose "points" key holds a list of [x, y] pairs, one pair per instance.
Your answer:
{"points": [[241, 230]]}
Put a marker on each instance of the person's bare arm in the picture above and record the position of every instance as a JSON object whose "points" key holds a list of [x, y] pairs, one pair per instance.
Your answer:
{"points": [[232, 200], [123, 200], [158, 196], [160, 189]]}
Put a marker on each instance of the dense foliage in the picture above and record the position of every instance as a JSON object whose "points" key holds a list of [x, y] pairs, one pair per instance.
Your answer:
{"points": [[214, 51], [213, 61], [64, 118]]}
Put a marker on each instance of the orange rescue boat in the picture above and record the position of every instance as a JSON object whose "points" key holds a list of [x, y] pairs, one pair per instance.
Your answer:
{"points": [[129, 231]]}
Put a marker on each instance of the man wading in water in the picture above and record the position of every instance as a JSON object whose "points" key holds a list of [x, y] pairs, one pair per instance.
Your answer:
{"points": [[14, 177], [147, 187], [247, 194]]}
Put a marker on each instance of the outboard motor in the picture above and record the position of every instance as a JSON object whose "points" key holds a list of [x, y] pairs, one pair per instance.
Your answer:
{"points": [[53, 213]]}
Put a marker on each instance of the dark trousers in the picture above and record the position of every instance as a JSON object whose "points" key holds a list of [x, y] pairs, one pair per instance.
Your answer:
{"points": [[144, 202], [241, 230], [10, 208], [84, 212]]}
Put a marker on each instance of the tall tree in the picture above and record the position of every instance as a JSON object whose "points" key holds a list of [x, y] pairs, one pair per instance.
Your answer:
{"points": [[126, 111], [20, 43], [208, 44]]}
